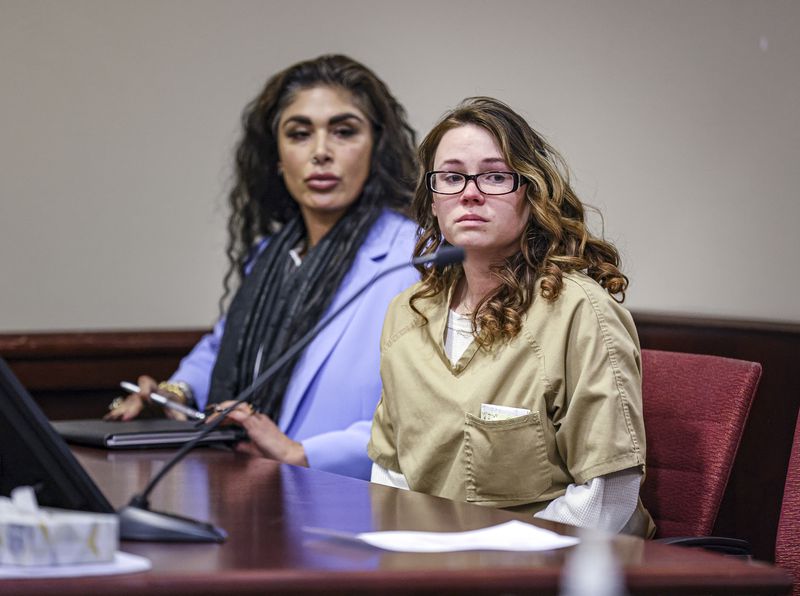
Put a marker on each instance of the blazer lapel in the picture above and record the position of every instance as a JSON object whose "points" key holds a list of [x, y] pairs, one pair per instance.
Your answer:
{"points": [[366, 266]]}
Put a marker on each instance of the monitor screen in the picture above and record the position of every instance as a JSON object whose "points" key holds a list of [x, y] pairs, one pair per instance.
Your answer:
{"points": [[32, 453]]}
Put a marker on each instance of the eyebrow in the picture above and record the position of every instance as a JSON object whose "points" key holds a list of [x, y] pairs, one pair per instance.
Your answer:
{"points": [[488, 161], [338, 118]]}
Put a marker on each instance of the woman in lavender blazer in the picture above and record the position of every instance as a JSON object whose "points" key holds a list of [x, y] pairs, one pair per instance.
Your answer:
{"points": [[325, 170]]}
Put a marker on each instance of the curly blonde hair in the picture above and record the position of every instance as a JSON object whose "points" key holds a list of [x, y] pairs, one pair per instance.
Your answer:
{"points": [[555, 241]]}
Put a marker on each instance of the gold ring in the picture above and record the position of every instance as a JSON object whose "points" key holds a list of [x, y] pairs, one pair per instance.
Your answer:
{"points": [[116, 402]]}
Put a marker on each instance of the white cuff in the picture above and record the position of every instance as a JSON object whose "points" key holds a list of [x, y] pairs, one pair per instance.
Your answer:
{"points": [[605, 503]]}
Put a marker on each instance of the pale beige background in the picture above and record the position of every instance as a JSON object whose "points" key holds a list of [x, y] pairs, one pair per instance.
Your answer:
{"points": [[117, 120]]}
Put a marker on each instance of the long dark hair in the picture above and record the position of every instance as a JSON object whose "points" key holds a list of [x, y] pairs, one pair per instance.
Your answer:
{"points": [[556, 239], [259, 200]]}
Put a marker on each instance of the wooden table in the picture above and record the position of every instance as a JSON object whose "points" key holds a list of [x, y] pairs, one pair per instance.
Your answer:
{"points": [[264, 506]]}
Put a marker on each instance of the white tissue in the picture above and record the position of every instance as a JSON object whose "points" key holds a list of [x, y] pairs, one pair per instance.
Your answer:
{"points": [[30, 535]]}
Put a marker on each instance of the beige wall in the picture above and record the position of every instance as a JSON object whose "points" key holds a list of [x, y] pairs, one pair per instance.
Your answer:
{"points": [[117, 119]]}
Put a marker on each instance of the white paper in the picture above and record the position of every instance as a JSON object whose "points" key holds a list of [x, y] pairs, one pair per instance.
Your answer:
{"points": [[122, 563], [512, 536], [495, 412]]}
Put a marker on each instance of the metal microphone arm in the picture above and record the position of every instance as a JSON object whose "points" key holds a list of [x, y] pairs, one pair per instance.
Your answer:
{"points": [[137, 522]]}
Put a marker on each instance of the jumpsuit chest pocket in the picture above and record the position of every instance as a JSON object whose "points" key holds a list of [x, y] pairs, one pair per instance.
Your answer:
{"points": [[506, 460]]}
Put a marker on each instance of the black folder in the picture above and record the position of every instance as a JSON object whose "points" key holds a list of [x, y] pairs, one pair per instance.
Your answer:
{"points": [[135, 434]]}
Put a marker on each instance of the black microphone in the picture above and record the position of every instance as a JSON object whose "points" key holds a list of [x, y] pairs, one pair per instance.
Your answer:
{"points": [[446, 255], [138, 522]]}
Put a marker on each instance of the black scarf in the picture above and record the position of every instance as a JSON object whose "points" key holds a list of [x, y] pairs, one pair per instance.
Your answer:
{"points": [[278, 302]]}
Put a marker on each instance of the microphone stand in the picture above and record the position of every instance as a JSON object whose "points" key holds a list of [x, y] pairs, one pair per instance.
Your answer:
{"points": [[138, 522]]}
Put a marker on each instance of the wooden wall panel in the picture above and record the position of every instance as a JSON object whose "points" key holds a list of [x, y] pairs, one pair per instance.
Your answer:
{"points": [[76, 375]]}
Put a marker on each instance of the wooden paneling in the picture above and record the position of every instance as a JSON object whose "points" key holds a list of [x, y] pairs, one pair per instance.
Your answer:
{"points": [[75, 375]]}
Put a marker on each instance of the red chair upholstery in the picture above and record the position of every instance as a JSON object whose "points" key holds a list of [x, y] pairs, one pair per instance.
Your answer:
{"points": [[695, 408], [787, 544]]}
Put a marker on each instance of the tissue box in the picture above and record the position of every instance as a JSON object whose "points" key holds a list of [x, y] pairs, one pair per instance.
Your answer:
{"points": [[30, 535]]}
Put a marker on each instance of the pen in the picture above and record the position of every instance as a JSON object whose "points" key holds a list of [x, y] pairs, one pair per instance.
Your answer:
{"points": [[167, 403]]}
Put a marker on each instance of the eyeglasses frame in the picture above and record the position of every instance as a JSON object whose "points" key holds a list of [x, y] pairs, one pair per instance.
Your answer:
{"points": [[519, 180]]}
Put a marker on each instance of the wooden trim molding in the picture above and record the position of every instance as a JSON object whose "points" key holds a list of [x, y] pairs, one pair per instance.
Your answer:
{"points": [[44, 345], [652, 318], [74, 375]]}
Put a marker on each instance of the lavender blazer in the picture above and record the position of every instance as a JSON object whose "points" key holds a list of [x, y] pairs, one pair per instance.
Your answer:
{"points": [[330, 400]]}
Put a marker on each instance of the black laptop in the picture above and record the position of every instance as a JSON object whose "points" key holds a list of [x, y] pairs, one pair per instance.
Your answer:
{"points": [[136, 434]]}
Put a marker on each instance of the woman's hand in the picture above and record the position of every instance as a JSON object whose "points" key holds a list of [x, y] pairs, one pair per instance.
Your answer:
{"points": [[266, 439], [130, 407]]}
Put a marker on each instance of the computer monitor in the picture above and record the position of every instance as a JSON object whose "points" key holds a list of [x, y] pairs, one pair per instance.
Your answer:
{"points": [[32, 453]]}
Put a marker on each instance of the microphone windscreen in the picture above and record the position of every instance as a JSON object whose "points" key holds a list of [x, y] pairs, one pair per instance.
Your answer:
{"points": [[446, 255]]}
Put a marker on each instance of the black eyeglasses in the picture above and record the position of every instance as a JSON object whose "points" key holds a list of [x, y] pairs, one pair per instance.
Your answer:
{"points": [[489, 183]]}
